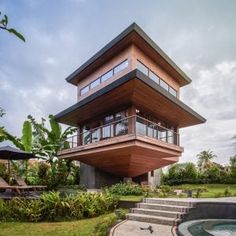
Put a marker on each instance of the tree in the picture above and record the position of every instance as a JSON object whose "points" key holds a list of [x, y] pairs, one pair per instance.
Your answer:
{"points": [[233, 169], [181, 173], [233, 162], [23, 143], [2, 112], [2, 136], [4, 26], [212, 174], [205, 159], [48, 142], [234, 138]]}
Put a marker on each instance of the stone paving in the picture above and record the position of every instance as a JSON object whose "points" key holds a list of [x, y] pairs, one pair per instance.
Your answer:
{"points": [[132, 228]]}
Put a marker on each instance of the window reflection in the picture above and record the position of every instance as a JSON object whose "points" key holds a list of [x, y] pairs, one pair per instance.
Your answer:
{"points": [[155, 78], [121, 66], [84, 90], [142, 67], [95, 83], [164, 84], [117, 124], [105, 77], [173, 91], [121, 128]]}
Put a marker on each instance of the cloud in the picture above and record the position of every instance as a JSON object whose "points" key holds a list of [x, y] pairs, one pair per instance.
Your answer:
{"points": [[60, 35]]}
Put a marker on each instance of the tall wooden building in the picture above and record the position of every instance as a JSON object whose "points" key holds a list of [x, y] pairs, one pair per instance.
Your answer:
{"points": [[128, 111]]}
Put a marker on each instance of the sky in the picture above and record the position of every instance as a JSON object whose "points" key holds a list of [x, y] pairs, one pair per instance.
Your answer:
{"points": [[199, 35]]}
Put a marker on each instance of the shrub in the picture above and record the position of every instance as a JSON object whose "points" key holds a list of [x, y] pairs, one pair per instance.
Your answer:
{"points": [[4, 210], [3, 171], [52, 207], [181, 174], [102, 229], [126, 189], [212, 174], [227, 192], [43, 172], [121, 213]]}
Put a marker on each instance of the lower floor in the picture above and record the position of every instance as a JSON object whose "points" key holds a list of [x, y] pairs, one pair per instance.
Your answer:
{"points": [[94, 178]]}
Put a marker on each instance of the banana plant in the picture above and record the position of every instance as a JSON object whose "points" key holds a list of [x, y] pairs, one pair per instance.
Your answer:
{"points": [[23, 143], [49, 141]]}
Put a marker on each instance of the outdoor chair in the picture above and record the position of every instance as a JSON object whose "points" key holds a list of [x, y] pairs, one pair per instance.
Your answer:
{"points": [[21, 182], [18, 189]]}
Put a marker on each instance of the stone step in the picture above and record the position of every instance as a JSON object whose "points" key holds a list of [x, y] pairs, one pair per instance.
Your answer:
{"points": [[170, 214], [153, 219], [168, 202], [163, 207]]}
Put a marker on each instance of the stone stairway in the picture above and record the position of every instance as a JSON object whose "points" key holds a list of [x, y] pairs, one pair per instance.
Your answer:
{"points": [[160, 211]]}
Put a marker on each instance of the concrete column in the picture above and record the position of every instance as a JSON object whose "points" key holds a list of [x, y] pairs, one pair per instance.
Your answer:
{"points": [[155, 180]]}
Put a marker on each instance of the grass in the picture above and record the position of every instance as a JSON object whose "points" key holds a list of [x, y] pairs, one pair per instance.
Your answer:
{"points": [[84, 227], [213, 191], [131, 198]]}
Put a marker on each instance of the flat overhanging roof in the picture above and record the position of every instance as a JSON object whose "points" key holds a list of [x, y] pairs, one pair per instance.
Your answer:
{"points": [[131, 35], [133, 88]]}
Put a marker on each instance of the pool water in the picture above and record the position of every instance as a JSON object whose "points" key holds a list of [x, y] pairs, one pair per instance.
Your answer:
{"points": [[208, 228], [226, 229]]}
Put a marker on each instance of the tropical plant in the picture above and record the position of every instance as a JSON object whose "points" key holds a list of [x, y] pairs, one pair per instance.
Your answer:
{"points": [[49, 141], [212, 174], [4, 26], [205, 159], [2, 135], [181, 173], [2, 112], [23, 143], [52, 207], [126, 189], [233, 162], [234, 138]]}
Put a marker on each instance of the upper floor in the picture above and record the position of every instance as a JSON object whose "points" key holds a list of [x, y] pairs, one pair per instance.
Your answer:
{"points": [[132, 49], [131, 69], [129, 59]]}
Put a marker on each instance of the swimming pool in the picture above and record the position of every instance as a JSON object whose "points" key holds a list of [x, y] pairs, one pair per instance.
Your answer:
{"points": [[208, 227]]}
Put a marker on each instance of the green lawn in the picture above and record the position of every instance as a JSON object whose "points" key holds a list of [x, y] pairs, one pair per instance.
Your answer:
{"points": [[71, 228], [213, 190]]}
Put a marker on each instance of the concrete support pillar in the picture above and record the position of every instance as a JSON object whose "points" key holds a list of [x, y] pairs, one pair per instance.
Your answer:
{"points": [[127, 180], [93, 178]]}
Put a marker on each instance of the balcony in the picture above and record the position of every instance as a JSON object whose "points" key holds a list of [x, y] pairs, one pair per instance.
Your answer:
{"points": [[126, 147], [130, 125]]}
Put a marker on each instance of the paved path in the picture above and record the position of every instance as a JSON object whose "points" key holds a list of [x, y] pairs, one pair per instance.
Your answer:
{"points": [[132, 228]]}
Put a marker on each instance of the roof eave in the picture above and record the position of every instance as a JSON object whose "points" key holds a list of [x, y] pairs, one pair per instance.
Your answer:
{"points": [[136, 28]]}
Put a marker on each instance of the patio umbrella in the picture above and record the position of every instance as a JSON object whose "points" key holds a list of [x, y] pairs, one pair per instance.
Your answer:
{"points": [[10, 153]]}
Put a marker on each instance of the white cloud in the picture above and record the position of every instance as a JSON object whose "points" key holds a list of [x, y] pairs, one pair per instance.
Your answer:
{"points": [[226, 68], [60, 36]]}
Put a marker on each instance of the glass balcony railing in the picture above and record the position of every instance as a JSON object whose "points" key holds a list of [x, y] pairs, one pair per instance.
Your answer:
{"points": [[129, 125]]}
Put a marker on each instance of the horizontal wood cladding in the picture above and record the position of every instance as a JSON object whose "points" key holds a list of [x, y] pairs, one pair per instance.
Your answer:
{"points": [[129, 155], [133, 35], [133, 89]]}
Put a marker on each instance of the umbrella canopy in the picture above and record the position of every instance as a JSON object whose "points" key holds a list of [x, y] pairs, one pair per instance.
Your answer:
{"points": [[10, 153]]}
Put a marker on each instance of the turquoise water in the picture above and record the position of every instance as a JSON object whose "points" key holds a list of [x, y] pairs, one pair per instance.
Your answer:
{"points": [[226, 229], [213, 228]]}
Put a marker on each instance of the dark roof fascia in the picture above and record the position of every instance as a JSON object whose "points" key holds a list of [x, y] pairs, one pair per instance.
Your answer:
{"points": [[124, 79], [101, 52], [138, 29]]}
